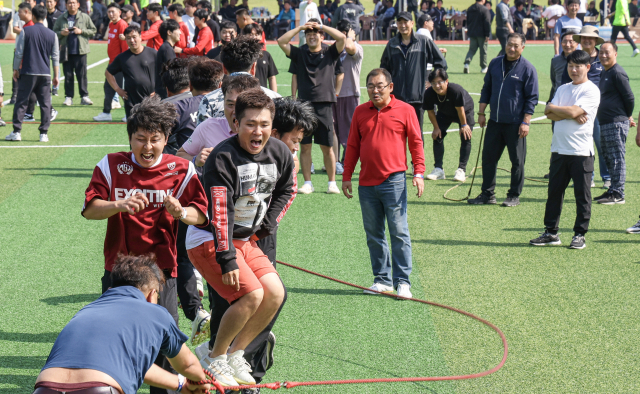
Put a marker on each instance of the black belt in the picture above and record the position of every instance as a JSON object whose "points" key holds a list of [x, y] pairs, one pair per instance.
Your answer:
{"points": [[92, 390]]}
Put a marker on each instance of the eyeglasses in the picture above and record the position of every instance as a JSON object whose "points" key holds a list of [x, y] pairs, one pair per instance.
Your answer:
{"points": [[379, 88]]}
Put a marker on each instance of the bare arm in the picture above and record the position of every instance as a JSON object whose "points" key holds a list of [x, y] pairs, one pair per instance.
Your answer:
{"points": [[556, 43], [336, 35], [284, 41], [465, 130], [350, 45], [182, 153], [273, 85], [114, 85], [436, 130], [98, 209], [571, 112], [339, 80], [187, 364], [294, 85]]}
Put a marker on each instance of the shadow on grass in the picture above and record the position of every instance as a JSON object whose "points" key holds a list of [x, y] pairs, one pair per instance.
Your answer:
{"points": [[457, 242], [538, 229], [391, 375], [68, 172], [22, 362], [43, 337], [299, 290], [617, 241], [71, 299]]}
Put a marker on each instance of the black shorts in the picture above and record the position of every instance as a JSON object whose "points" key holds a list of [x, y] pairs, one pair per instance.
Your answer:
{"points": [[324, 133]]}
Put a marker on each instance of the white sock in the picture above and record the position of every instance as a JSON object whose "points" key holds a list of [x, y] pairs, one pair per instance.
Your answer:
{"points": [[332, 183], [308, 183]]}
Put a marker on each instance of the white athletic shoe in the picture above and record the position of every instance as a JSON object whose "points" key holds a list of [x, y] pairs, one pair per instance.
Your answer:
{"points": [[404, 291], [379, 287], [635, 229], [44, 138], [635, 52], [202, 351], [220, 369], [103, 117], [459, 175], [466, 69], [86, 101], [124, 119], [68, 101], [307, 188], [54, 114], [484, 70], [436, 174], [339, 168], [116, 104], [313, 169], [593, 184], [13, 137], [200, 327], [333, 189], [241, 368]]}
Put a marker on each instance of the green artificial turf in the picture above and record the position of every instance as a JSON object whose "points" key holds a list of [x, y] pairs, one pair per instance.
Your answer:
{"points": [[570, 316]]}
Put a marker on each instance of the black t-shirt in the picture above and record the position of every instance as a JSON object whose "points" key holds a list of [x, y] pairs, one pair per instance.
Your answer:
{"points": [[456, 96], [165, 53], [316, 72], [73, 45], [265, 69], [508, 64], [214, 53], [139, 73]]}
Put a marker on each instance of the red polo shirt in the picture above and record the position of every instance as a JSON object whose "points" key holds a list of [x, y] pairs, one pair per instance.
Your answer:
{"points": [[152, 36], [379, 139], [204, 43]]}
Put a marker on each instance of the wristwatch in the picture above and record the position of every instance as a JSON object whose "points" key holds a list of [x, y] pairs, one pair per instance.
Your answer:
{"points": [[184, 214]]}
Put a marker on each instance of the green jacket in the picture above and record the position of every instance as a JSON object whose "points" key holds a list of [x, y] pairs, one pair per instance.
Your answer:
{"points": [[84, 23], [621, 17]]}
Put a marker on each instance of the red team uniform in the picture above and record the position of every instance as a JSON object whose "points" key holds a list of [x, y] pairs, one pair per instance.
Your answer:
{"points": [[204, 43], [184, 38], [152, 230], [115, 45], [152, 36]]}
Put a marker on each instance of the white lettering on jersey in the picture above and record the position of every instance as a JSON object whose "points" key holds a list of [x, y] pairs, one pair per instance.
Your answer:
{"points": [[154, 196], [125, 168], [220, 220], [194, 117]]}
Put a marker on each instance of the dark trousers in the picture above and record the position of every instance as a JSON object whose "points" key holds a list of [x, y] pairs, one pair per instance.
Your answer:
{"points": [[256, 352], [187, 284], [420, 115], [167, 297], [76, 64], [502, 34], [476, 43], [625, 32], [41, 86], [497, 137], [563, 169], [109, 93], [438, 144], [128, 107]]}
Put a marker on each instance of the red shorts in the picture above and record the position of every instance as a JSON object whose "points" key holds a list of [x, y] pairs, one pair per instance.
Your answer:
{"points": [[252, 263]]}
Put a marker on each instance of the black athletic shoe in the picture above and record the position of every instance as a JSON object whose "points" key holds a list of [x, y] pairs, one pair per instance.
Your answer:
{"points": [[546, 176], [611, 199], [482, 199], [271, 343], [249, 391], [511, 202], [602, 196], [54, 91], [546, 239], [577, 242]]}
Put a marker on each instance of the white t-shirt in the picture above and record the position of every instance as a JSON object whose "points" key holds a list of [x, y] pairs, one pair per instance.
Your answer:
{"points": [[188, 20], [17, 22], [583, 7], [569, 137], [553, 10], [424, 32]]}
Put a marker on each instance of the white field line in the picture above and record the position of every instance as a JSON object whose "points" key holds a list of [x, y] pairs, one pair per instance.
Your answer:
{"points": [[89, 67]]}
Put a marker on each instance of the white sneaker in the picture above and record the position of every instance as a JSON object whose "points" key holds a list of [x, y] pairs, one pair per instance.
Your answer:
{"points": [[436, 174], [241, 368], [307, 188], [460, 176], [103, 117], [202, 351], [313, 169], [220, 369], [199, 283], [379, 288], [116, 104], [86, 101], [54, 114], [44, 138], [484, 70], [635, 229], [13, 137], [593, 184], [333, 189], [68, 101], [200, 327], [124, 119], [404, 291], [466, 69], [339, 168], [635, 52]]}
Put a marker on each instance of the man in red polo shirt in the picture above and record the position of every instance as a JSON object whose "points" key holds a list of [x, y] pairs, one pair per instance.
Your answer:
{"points": [[176, 11], [381, 128], [204, 41], [152, 36]]}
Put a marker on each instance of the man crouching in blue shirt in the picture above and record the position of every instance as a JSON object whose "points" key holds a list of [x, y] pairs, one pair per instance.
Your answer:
{"points": [[511, 90], [110, 345]]}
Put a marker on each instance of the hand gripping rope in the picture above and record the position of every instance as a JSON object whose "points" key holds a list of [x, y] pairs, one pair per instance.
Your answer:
{"points": [[288, 385], [474, 170]]}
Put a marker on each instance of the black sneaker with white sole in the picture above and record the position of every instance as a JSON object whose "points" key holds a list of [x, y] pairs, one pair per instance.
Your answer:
{"points": [[546, 238], [602, 196], [511, 202], [271, 343], [482, 199], [577, 242], [611, 199], [635, 229], [28, 118]]}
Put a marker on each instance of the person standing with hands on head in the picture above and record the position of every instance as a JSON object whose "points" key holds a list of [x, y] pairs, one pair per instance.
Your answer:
{"points": [[616, 116], [379, 134], [115, 46], [504, 24], [573, 108], [74, 29], [406, 57], [511, 90], [314, 67], [36, 48], [479, 31], [455, 105]]}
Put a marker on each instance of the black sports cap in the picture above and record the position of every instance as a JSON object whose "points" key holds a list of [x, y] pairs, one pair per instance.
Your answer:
{"points": [[404, 15]]}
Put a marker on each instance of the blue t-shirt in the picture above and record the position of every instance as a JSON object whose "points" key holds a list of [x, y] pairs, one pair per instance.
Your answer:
{"points": [[73, 45], [119, 334], [565, 22]]}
